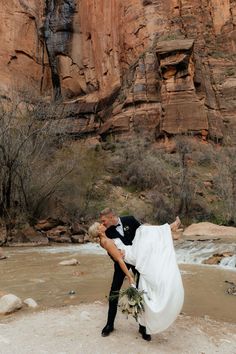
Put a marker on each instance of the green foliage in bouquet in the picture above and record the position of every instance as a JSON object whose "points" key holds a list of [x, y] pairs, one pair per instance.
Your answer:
{"points": [[130, 301]]}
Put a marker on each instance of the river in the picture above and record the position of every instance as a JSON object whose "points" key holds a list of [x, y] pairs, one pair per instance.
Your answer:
{"points": [[36, 273]]}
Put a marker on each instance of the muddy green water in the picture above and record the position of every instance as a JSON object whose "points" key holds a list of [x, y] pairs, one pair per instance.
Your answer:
{"points": [[29, 273]]}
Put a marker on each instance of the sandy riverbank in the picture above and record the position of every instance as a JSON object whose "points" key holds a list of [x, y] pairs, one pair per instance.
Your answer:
{"points": [[76, 330]]}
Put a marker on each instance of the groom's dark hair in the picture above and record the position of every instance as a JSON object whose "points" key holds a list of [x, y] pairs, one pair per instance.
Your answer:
{"points": [[107, 211]]}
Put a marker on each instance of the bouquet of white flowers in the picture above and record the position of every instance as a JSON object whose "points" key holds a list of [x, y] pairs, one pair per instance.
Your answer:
{"points": [[130, 301]]}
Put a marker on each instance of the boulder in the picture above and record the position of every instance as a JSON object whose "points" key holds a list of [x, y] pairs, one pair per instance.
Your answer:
{"points": [[59, 234], [216, 258], [77, 238], [69, 262], [30, 302], [231, 290], [9, 303], [46, 224], [207, 230], [86, 238], [28, 235], [80, 238], [77, 228], [59, 239]]}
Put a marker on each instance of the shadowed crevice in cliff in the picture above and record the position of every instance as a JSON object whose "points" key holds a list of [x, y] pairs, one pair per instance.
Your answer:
{"points": [[21, 52], [57, 35]]}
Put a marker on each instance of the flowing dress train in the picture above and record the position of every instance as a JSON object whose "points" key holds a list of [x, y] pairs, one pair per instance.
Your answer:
{"points": [[153, 255]]}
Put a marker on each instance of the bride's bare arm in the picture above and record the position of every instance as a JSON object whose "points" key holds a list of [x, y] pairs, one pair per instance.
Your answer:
{"points": [[117, 256]]}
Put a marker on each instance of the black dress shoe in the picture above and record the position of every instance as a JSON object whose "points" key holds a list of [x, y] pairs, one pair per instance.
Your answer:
{"points": [[107, 330], [145, 336]]}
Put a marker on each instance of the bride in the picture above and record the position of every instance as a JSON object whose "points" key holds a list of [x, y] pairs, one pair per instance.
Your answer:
{"points": [[153, 255]]}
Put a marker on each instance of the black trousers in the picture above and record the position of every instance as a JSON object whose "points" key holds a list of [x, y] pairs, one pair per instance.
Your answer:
{"points": [[116, 285]]}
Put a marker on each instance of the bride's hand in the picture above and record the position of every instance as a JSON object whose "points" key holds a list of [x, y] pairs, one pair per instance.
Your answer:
{"points": [[131, 280], [122, 252]]}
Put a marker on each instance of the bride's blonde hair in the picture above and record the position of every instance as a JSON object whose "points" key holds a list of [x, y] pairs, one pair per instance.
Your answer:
{"points": [[93, 230]]}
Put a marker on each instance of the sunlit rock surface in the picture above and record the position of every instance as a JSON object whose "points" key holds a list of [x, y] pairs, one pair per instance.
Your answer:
{"points": [[125, 67]]}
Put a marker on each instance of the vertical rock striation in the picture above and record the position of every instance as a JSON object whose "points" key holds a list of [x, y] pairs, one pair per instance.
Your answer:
{"points": [[138, 66], [57, 35]]}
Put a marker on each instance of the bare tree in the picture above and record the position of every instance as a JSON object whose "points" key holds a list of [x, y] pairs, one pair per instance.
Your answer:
{"points": [[42, 171], [27, 142], [82, 191], [225, 182], [186, 189]]}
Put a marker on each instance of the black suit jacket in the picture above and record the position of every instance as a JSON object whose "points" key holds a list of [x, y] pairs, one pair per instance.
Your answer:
{"points": [[130, 225]]}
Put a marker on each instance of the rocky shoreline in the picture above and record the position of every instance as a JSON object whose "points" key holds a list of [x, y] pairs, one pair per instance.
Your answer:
{"points": [[54, 231], [44, 233], [76, 330]]}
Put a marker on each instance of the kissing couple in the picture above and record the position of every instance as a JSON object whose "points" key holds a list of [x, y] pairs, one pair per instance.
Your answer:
{"points": [[149, 251]]}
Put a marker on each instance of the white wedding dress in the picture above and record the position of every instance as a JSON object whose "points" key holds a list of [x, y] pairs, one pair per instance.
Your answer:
{"points": [[153, 255]]}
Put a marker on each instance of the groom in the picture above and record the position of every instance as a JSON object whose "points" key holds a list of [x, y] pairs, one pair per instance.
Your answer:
{"points": [[123, 227]]}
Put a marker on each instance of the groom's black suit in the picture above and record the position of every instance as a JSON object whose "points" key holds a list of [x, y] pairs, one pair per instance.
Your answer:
{"points": [[130, 225]]}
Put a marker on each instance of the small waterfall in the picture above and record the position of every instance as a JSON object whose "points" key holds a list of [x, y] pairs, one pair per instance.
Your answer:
{"points": [[187, 252], [229, 262], [195, 252]]}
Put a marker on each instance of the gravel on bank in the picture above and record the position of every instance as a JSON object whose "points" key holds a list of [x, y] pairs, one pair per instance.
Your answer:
{"points": [[77, 330]]}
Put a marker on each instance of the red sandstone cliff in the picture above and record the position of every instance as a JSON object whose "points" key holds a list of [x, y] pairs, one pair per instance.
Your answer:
{"points": [[160, 67]]}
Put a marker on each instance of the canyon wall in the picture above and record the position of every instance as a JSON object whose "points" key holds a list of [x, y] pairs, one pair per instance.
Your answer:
{"points": [[149, 67]]}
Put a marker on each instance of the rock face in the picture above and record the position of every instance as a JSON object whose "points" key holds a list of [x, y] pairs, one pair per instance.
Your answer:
{"points": [[28, 235], [47, 231], [151, 66]]}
